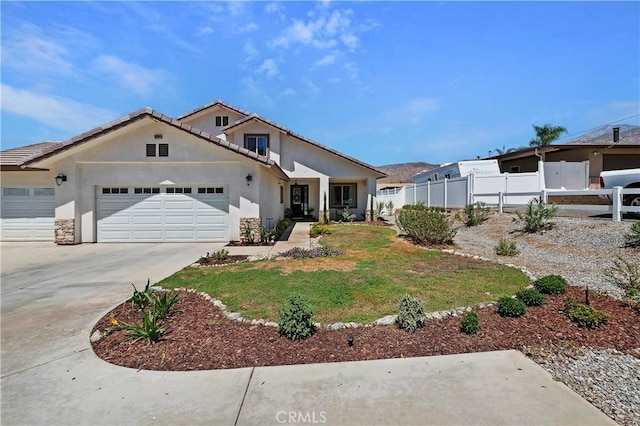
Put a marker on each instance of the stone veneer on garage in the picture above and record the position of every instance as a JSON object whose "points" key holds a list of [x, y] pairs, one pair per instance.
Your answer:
{"points": [[254, 223], [65, 231]]}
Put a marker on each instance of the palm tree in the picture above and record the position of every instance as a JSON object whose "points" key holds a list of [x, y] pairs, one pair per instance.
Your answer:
{"points": [[505, 151], [546, 134]]}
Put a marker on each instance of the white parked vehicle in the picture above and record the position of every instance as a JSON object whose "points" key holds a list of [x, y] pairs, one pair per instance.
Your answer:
{"points": [[628, 178]]}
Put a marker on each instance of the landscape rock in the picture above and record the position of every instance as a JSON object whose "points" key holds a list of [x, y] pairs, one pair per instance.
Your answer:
{"points": [[388, 320], [96, 336]]}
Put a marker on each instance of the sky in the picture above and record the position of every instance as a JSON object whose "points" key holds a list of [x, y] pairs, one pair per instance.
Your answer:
{"points": [[383, 81]]}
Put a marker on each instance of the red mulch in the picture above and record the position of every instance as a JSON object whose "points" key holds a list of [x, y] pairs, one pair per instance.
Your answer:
{"points": [[200, 337]]}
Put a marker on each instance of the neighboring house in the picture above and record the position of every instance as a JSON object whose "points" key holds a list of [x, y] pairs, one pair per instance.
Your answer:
{"points": [[596, 147], [204, 176]]}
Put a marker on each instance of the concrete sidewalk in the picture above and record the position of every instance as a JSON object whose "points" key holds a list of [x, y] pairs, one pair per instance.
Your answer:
{"points": [[299, 237]]}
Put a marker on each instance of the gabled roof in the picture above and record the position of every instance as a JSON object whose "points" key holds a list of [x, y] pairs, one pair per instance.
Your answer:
{"points": [[256, 117], [213, 104], [14, 157], [159, 117]]}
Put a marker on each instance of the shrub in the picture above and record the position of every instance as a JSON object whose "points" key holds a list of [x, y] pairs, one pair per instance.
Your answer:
{"points": [[506, 248], [302, 253], [221, 254], [282, 226], [632, 238], [140, 299], [379, 208], [509, 307], [318, 229], [536, 216], [150, 328], [266, 235], [425, 226], [162, 304], [551, 284], [476, 213], [469, 323], [411, 314], [296, 319], [583, 315], [247, 235], [389, 207], [531, 297], [347, 216]]}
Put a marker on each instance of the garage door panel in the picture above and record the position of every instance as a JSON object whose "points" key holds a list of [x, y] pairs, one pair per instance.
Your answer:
{"points": [[27, 217], [161, 217]]}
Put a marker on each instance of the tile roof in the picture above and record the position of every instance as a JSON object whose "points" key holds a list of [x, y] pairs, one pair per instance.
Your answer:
{"points": [[17, 156], [256, 117], [157, 116], [215, 103]]}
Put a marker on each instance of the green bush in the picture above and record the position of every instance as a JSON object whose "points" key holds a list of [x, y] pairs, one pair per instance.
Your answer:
{"points": [[379, 208], [476, 213], [411, 314], [221, 254], [140, 299], [632, 238], [150, 329], [531, 297], [506, 248], [551, 284], [426, 226], [318, 229], [347, 216], [469, 323], [509, 307], [282, 226], [162, 304], [536, 216], [296, 319], [583, 315]]}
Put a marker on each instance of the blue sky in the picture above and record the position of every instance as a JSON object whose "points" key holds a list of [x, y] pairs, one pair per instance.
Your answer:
{"points": [[385, 82]]}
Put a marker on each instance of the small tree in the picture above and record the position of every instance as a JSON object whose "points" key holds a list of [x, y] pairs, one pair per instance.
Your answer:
{"points": [[325, 219]]}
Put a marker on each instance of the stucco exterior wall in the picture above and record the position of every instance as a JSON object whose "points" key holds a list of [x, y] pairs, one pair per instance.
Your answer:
{"points": [[236, 136], [207, 120], [21, 179]]}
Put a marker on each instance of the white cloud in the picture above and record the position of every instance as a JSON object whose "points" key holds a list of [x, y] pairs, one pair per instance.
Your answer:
{"points": [[276, 9], [268, 68], [312, 88], [205, 31], [251, 26], [60, 113], [328, 59], [323, 30], [140, 80], [250, 51], [422, 105]]}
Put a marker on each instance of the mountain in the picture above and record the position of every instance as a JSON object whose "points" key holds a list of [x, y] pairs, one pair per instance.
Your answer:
{"points": [[402, 173], [629, 135]]}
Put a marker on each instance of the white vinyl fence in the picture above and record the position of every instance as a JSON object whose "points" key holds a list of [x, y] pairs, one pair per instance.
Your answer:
{"points": [[503, 190]]}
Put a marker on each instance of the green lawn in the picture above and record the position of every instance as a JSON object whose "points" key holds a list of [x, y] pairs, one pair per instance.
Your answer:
{"points": [[366, 283]]}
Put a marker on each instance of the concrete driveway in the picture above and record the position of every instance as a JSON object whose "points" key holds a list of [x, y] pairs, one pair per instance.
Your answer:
{"points": [[52, 296]]}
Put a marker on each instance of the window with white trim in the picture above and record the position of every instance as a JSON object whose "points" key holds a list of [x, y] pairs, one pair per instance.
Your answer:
{"points": [[257, 143], [107, 191], [178, 190], [15, 192], [222, 120], [146, 190], [342, 195], [211, 190], [43, 191]]}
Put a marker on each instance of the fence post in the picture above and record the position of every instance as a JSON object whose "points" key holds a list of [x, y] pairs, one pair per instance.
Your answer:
{"points": [[617, 204], [544, 195], [428, 193], [500, 201], [470, 189], [445, 192]]}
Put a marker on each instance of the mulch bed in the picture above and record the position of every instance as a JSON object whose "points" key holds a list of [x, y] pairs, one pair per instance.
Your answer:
{"points": [[211, 261], [200, 337], [243, 244]]}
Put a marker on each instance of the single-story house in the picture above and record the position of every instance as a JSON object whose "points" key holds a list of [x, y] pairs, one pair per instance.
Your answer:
{"points": [[206, 175], [599, 149]]}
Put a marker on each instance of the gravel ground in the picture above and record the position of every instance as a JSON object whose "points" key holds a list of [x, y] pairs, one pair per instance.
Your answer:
{"points": [[579, 249]]}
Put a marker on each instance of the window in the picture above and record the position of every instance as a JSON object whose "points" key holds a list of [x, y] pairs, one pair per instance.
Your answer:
{"points": [[115, 190], [257, 143], [151, 150], [222, 120], [514, 169], [178, 190], [281, 195], [211, 190], [343, 195], [435, 177], [146, 190], [447, 176], [163, 150], [15, 191], [43, 191]]}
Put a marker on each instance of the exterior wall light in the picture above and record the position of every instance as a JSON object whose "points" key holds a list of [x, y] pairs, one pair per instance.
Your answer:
{"points": [[60, 178], [249, 179]]}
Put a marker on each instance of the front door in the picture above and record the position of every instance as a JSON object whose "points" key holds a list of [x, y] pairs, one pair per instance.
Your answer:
{"points": [[299, 200]]}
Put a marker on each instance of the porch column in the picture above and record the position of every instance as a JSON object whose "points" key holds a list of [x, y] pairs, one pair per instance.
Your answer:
{"points": [[323, 195]]}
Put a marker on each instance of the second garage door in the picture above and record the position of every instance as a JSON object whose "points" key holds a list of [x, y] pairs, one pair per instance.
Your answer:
{"points": [[171, 214]]}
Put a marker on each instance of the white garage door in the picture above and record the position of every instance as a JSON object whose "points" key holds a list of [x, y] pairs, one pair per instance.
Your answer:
{"points": [[173, 214], [28, 214]]}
